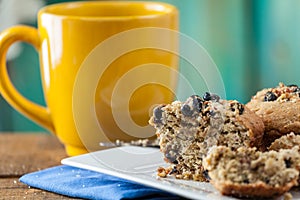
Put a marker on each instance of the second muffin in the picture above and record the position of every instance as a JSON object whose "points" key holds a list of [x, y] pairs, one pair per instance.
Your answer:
{"points": [[279, 109]]}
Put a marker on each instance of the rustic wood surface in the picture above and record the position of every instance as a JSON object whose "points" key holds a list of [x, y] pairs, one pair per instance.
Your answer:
{"points": [[24, 153]]}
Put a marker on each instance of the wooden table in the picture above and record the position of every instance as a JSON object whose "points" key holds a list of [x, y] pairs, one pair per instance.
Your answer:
{"points": [[24, 153]]}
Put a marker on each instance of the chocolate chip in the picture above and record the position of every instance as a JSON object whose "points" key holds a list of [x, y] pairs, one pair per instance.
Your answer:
{"points": [[210, 97], [207, 96], [246, 181], [193, 105], [238, 106], [212, 113], [171, 158], [288, 163], [215, 97], [270, 96], [267, 180], [195, 96], [292, 85], [205, 174], [297, 91], [175, 162], [173, 171], [186, 110], [241, 108], [197, 102], [157, 113]]}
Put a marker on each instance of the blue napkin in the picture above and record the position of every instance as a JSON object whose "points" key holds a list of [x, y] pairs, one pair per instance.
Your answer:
{"points": [[81, 183]]}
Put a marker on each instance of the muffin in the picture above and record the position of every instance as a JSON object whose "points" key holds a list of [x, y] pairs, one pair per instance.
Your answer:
{"points": [[279, 109], [187, 130], [246, 172], [285, 142]]}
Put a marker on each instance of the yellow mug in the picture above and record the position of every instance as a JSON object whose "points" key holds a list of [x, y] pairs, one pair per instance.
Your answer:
{"points": [[103, 67]]}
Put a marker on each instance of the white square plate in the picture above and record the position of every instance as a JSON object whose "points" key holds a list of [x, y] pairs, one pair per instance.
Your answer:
{"points": [[139, 164]]}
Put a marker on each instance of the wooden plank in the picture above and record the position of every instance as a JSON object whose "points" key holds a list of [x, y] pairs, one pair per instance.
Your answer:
{"points": [[11, 188], [24, 153]]}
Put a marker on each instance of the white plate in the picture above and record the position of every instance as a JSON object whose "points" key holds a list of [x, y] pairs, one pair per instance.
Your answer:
{"points": [[139, 164]]}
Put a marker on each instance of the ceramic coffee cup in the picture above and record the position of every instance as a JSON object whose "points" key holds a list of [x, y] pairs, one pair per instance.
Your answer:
{"points": [[103, 65]]}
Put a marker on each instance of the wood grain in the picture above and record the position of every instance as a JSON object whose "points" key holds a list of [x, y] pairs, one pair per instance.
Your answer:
{"points": [[24, 153]]}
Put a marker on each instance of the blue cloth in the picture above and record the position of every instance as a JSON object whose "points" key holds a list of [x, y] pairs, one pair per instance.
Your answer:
{"points": [[81, 183]]}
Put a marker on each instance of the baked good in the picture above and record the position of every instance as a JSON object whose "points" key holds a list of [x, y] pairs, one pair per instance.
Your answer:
{"points": [[279, 109], [285, 142], [187, 130], [246, 172]]}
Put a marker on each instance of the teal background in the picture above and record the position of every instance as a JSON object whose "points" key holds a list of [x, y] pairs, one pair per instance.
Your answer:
{"points": [[254, 43]]}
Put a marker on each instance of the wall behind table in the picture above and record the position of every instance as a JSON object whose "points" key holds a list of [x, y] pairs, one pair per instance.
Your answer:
{"points": [[278, 41], [25, 75], [254, 44], [22, 64]]}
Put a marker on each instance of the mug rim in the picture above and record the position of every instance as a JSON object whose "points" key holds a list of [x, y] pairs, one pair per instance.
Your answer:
{"points": [[162, 9]]}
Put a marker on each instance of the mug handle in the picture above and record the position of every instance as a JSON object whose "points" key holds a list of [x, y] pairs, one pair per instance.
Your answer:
{"points": [[35, 112]]}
